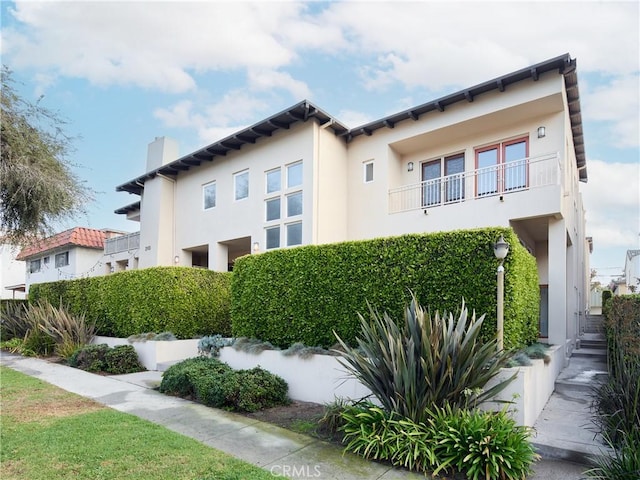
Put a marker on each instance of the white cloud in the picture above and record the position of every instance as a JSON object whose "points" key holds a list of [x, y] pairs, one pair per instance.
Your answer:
{"points": [[612, 202], [616, 102], [352, 118], [268, 80], [236, 110], [152, 45], [437, 45]]}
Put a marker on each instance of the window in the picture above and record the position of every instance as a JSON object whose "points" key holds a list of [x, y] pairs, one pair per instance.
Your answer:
{"points": [[241, 184], [273, 237], [209, 195], [436, 185], [294, 204], [502, 167], [46, 260], [273, 209], [62, 259], [34, 266], [368, 172], [273, 180], [294, 234], [294, 175]]}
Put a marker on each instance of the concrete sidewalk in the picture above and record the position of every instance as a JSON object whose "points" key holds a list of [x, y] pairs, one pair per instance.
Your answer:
{"points": [[275, 449]]}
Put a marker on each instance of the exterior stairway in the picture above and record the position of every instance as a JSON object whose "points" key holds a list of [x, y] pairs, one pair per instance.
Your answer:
{"points": [[565, 429]]}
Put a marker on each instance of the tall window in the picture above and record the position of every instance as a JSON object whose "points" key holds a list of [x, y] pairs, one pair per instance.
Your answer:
{"points": [[502, 167], [209, 195], [294, 175], [241, 185], [273, 180], [436, 185], [62, 259]]}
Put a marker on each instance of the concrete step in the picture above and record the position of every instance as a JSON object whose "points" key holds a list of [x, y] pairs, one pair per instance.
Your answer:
{"points": [[593, 344], [590, 352]]}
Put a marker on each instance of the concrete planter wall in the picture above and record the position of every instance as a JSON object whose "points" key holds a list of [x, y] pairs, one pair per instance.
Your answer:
{"points": [[318, 379], [321, 378], [154, 353], [531, 389]]}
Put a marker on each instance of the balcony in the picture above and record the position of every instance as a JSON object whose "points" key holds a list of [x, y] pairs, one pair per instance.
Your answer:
{"points": [[502, 179], [122, 243]]}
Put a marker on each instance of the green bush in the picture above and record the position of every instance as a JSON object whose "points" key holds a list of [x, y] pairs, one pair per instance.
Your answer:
{"points": [[305, 294], [478, 444], [424, 360], [255, 389], [189, 302], [101, 358], [213, 383], [91, 358], [122, 359], [183, 379]]}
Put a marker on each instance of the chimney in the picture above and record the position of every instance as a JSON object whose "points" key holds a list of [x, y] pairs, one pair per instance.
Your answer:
{"points": [[160, 152]]}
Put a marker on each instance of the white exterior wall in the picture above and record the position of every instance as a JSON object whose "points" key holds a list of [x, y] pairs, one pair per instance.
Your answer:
{"points": [[460, 128], [232, 219], [83, 262], [12, 271]]}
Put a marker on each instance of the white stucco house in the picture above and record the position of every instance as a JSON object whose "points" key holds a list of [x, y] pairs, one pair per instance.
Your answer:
{"points": [[12, 273], [75, 253], [507, 152]]}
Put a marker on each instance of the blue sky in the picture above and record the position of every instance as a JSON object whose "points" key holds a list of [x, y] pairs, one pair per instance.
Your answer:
{"points": [[123, 73]]}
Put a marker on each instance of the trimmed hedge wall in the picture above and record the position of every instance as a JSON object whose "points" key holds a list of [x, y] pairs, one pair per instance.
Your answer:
{"points": [[187, 301], [305, 293]]}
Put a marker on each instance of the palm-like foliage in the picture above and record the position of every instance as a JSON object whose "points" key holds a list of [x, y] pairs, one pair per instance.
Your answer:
{"points": [[69, 332], [424, 361]]}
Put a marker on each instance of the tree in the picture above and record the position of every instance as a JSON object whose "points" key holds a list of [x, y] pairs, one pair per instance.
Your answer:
{"points": [[38, 188]]}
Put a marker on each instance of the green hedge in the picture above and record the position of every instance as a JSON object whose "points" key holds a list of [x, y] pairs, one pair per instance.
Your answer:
{"points": [[187, 301], [304, 294]]}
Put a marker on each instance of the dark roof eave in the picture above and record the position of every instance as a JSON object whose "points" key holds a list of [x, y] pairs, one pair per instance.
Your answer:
{"points": [[132, 207], [563, 63], [300, 112]]}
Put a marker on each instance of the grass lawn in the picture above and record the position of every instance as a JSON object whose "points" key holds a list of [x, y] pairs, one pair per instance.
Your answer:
{"points": [[47, 433]]}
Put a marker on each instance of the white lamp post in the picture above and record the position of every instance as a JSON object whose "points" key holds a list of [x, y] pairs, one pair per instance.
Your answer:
{"points": [[500, 249]]}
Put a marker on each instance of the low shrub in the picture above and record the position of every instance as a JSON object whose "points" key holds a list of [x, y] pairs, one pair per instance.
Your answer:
{"points": [[210, 345], [122, 359], [152, 336], [214, 383], [12, 346], [252, 345], [91, 358], [182, 378], [301, 350], [101, 358], [255, 389], [480, 445]]}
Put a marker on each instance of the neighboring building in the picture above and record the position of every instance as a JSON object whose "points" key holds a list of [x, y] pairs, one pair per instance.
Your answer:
{"points": [[75, 253], [12, 273], [632, 271], [507, 152]]}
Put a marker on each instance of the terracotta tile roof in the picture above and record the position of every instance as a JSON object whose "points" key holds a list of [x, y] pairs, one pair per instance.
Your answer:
{"points": [[78, 236]]}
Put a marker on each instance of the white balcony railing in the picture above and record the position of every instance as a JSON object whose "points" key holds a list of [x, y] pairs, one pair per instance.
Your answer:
{"points": [[500, 179], [122, 243]]}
